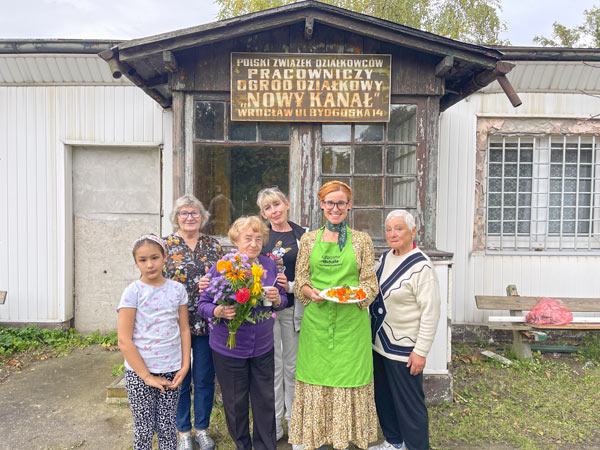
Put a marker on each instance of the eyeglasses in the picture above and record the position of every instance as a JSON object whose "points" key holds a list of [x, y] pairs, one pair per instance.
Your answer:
{"points": [[330, 205], [186, 214]]}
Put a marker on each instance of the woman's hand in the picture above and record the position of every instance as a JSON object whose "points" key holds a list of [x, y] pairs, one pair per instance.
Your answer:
{"points": [[415, 363], [313, 294], [224, 312], [203, 283], [157, 382], [273, 295], [179, 376], [283, 282]]}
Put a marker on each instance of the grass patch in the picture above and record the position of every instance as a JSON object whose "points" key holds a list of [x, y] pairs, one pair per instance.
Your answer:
{"points": [[548, 402], [18, 346]]}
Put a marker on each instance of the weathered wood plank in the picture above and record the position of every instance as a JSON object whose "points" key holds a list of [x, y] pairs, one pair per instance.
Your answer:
{"points": [[528, 303], [521, 319]]}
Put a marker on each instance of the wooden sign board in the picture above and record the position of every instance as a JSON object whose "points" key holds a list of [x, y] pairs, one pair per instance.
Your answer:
{"points": [[310, 87], [2, 297]]}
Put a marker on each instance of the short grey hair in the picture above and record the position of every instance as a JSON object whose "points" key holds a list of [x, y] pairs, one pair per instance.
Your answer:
{"points": [[185, 201], [409, 219], [269, 195]]}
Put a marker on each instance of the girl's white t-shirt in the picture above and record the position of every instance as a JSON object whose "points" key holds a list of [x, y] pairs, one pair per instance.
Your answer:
{"points": [[156, 328]]}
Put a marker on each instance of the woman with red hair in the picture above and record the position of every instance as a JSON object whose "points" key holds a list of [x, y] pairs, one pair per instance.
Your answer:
{"points": [[334, 401]]}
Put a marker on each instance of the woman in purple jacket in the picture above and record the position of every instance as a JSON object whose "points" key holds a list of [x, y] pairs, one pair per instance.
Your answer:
{"points": [[247, 370]]}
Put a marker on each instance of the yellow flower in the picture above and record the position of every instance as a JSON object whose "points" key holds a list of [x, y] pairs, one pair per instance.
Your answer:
{"points": [[253, 301], [256, 288], [257, 271]]}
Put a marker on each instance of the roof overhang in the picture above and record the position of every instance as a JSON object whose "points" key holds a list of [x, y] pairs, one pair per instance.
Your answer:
{"points": [[148, 61]]}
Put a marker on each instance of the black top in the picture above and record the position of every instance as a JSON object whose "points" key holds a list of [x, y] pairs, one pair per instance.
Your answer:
{"points": [[282, 247]]}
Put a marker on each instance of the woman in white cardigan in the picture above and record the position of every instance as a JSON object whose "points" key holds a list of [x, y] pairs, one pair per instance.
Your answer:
{"points": [[404, 319]]}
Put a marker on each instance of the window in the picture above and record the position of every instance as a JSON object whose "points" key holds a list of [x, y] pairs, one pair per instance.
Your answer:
{"points": [[379, 162], [235, 160], [543, 193]]}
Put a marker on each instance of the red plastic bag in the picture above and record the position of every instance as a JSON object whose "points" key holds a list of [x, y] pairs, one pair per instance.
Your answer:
{"points": [[549, 311]]}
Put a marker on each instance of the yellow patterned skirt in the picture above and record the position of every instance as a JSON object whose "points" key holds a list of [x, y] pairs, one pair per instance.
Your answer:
{"points": [[333, 415]]}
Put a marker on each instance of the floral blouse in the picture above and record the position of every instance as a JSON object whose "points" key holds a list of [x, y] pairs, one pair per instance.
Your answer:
{"points": [[187, 266]]}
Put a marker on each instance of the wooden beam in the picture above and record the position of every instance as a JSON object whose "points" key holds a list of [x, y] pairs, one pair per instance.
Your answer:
{"points": [[309, 26], [528, 303], [509, 91], [444, 66], [170, 62], [3, 297], [158, 80]]}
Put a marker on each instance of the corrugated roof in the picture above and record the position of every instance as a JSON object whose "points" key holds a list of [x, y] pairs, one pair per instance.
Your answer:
{"points": [[60, 69], [552, 76]]}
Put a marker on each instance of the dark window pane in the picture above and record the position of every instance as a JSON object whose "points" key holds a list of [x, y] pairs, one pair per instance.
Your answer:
{"points": [[494, 213], [555, 185], [508, 228], [336, 160], [554, 213], [569, 213], [524, 213], [209, 120], [494, 228], [554, 227], [568, 227], [495, 170], [526, 155], [583, 227], [585, 171], [523, 228], [525, 199], [585, 185], [367, 159], [556, 156], [510, 185], [585, 156], [524, 185], [556, 170], [368, 133], [584, 213], [242, 131], [495, 155], [509, 214], [571, 171], [569, 199], [370, 221], [571, 156], [555, 199], [585, 199], [279, 132], [510, 199], [571, 185], [525, 170], [494, 199], [510, 155], [403, 123], [336, 133], [227, 180], [367, 191], [510, 170], [495, 185]]}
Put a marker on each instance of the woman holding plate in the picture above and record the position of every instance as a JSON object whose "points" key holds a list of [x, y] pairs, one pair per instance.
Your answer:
{"points": [[333, 401]]}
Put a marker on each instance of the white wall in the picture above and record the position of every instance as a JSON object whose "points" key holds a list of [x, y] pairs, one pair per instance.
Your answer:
{"points": [[482, 273], [38, 126]]}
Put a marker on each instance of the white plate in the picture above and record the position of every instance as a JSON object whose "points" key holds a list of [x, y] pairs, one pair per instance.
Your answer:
{"points": [[335, 299]]}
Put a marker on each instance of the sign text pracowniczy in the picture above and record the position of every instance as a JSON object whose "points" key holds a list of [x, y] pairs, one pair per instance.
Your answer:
{"points": [[315, 87]]}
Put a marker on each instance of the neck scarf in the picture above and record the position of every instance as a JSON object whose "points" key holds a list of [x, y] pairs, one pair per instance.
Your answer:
{"points": [[340, 228]]}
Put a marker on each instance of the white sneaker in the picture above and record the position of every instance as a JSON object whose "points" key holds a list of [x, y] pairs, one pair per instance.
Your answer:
{"points": [[385, 445], [296, 446], [279, 432]]}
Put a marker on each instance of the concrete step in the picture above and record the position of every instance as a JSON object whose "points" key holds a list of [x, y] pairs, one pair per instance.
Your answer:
{"points": [[115, 392]]}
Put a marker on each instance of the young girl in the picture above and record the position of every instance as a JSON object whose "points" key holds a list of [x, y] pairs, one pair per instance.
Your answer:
{"points": [[154, 336]]}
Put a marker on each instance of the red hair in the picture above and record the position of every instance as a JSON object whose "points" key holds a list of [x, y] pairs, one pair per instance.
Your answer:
{"points": [[334, 186]]}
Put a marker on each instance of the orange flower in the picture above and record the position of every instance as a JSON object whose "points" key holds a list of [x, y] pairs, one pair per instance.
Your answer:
{"points": [[223, 266], [361, 295]]}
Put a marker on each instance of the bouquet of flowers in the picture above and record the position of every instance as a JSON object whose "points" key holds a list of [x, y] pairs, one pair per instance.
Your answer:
{"points": [[238, 283]]}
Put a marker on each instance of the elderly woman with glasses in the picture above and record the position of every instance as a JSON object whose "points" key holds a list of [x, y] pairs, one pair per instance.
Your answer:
{"points": [[333, 401], [190, 254]]}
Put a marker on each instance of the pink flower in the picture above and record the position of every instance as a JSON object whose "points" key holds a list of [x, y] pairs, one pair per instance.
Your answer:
{"points": [[242, 296]]}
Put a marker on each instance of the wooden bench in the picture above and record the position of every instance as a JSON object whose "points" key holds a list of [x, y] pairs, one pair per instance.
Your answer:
{"points": [[516, 305]]}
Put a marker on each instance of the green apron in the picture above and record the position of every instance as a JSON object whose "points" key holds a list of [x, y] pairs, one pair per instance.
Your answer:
{"points": [[334, 347]]}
